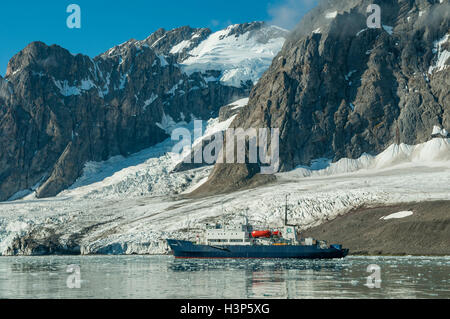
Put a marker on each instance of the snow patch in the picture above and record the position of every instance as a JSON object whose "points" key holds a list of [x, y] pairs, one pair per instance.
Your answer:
{"points": [[86, 85], [398, 215], [180, 46], [123, 81], [331, 15], [239, 104], [152, 99], [65, 89], [361, 31], [167, 124], [438, 131], [174, 88], [163, 61], [442, 55], [349, 75], [388, 29]]}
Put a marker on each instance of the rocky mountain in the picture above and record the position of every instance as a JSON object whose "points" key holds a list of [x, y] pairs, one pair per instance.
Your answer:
{"points": [[340, 89], [58, 110]]}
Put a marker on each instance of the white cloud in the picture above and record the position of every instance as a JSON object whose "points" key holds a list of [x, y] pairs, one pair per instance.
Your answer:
{"points": [[289, 13], [217, 24]]}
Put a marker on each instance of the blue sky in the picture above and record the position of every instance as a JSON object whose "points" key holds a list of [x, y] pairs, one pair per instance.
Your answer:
{"points": [[106, 23]]}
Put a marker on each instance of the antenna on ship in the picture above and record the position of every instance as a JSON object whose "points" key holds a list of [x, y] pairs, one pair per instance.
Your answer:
{"points": [[246, 217], [223, 216], [188, 223], [286, 212]]}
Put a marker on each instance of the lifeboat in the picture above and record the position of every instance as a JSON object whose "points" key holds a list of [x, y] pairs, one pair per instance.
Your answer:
{"points": [[262, 234]]}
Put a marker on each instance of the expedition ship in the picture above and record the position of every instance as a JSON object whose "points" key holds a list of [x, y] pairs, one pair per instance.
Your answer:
{"points": [[220, 241]]}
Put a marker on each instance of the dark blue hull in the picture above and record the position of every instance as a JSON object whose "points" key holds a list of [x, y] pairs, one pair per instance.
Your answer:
{"points": [[186, 249]]}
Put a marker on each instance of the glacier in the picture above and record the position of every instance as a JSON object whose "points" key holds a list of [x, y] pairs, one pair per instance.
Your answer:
{"points": [[131, 205]]}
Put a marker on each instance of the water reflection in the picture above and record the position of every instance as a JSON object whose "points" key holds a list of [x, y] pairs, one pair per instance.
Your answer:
{"points": [[267, 279], [165, 277], [255, 264], [33, 267]]}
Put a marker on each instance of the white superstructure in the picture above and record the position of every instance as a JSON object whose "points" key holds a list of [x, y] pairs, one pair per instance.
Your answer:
{"points": [[228, 235]]}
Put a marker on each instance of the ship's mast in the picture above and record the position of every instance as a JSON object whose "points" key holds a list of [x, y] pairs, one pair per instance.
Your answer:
{"points": [[289, 227], [246, 217], [286, 212], [189, 223], [223, 217]]}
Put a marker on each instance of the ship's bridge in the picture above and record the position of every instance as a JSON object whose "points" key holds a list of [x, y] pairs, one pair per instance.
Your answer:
{"points": [[228, 235]]}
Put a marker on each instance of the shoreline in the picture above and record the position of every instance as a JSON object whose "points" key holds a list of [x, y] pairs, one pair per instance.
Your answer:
{"points": [[136, 255], [168, 255], [364, 231], [424, 231]]}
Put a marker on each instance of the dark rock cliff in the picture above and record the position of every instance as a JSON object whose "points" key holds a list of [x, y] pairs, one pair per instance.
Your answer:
{"points": [[339, 89], [58, 111]]}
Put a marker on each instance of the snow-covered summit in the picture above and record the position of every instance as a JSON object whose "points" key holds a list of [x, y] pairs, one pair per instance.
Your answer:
{"points": [[241, 52]]}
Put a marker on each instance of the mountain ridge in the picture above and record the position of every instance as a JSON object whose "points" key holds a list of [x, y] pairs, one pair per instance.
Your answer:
{"points": [[61, 110], [339, 89]]}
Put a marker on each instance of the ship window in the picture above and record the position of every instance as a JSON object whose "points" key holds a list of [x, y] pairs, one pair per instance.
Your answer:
{"points": [[236, 240]]}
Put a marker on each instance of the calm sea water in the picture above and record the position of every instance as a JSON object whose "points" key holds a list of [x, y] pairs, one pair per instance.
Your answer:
{"points": [[165, 277]]}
